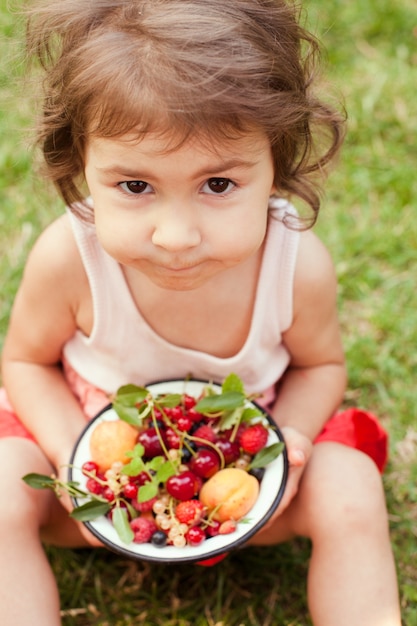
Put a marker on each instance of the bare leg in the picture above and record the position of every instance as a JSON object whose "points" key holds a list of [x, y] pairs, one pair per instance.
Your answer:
{"points": [[28, 592], [340, 506]]}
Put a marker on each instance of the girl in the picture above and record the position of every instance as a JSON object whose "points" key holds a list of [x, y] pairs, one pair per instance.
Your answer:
{"points": [[176, 131]]}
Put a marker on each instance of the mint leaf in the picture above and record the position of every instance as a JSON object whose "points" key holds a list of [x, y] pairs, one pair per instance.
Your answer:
{"points": [[147, 491], [90, 510], [268, 454], [233, 383], [221, 402], [39, 481], [121, 523]]}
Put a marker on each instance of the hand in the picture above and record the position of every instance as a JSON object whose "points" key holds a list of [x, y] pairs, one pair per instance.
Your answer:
{"points": [[299, 449]]}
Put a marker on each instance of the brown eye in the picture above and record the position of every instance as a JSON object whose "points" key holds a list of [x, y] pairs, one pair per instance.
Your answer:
{"points": [[219, 185], [134, 186]]}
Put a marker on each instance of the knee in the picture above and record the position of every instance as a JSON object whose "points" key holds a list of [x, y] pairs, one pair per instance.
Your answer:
{"points": [[20, 503], [343, 492]]}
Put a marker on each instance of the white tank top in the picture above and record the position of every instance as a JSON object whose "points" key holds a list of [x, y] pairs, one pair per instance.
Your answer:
{"points": [[123, 348]]}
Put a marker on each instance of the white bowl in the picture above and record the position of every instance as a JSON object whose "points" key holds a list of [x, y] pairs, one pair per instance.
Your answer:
{"points": [[271, 491]]}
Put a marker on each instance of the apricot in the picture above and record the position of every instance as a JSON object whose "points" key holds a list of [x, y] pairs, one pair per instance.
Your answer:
{"points": [[110, 441], [230, 494]]}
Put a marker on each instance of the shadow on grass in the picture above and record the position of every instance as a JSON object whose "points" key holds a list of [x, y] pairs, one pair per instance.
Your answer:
{"points": [[252, 587]]}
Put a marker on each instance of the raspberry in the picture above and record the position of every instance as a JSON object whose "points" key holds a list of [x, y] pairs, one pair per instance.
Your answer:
{"points": [[205, 432], [144, 528], [254, 438], [189, 512]]}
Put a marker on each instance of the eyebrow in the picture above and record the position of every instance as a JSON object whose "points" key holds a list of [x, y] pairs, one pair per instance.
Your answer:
{"points": [[228, 164]]}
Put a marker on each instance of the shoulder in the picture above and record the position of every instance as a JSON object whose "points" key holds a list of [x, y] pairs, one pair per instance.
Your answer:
{"points": [[54, 262]]}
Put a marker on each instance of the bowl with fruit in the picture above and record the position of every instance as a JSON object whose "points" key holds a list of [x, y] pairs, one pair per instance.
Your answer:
{"points": [[179, 470]]}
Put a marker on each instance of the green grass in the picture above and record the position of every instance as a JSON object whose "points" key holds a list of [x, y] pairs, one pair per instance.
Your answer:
{"points": [[369, 225]]}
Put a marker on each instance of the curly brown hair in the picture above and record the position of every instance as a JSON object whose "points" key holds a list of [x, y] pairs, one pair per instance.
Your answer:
{"points": [[181, 67]]}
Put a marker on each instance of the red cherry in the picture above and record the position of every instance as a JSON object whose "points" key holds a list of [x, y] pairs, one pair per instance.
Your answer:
{"points": [[182, 486], [150, 439], [205, 463], [195, 535], [229, 449], [173, 439]]}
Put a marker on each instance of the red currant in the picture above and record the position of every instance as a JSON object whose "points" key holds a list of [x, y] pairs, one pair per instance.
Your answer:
{"points": [[94, 487], [195, 535], [131, 491], [89, 467]]}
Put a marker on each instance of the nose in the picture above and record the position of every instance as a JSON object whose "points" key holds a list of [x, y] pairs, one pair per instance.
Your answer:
{"points": [[176, 228]]}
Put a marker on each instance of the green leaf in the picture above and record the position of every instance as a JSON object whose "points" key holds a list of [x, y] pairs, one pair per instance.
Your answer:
{"points": [[267, 455], [169, 400], [130, 395], [121, 523], [155, 463], [147, 491], [164, 472], [90, 510], [134, 467], [233, 383], [250, 413], [220, 402], [129, 414], [39, 481], [229, 419]]}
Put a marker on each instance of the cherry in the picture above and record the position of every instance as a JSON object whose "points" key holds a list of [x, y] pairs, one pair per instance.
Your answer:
{"points": [[173, 439], [182, 486], [140, 479], [150, 439], [229, 449], [205, 463], [195, 535]]}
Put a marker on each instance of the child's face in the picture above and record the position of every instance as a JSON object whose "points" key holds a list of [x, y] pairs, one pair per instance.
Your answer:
{"points": [[180, 217]]}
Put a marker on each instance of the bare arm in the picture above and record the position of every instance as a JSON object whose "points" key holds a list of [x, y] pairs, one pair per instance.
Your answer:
{"points": [[314, 384], [44, 316]]}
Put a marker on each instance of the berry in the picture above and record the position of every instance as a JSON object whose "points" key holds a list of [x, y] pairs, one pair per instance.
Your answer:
{"points": [[205, 463], [146, 506], [213, 528], [150, 439], [229, 449], [206, 432], [182, 486], [89, 467], [184, 423], [108, 494], [253, 438], [195, 535], [258, 472], [159, 539], [173, 439], [143, 528], [94, 487], [131, 491], [189, 402], [189, 512], [229, 526]]}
